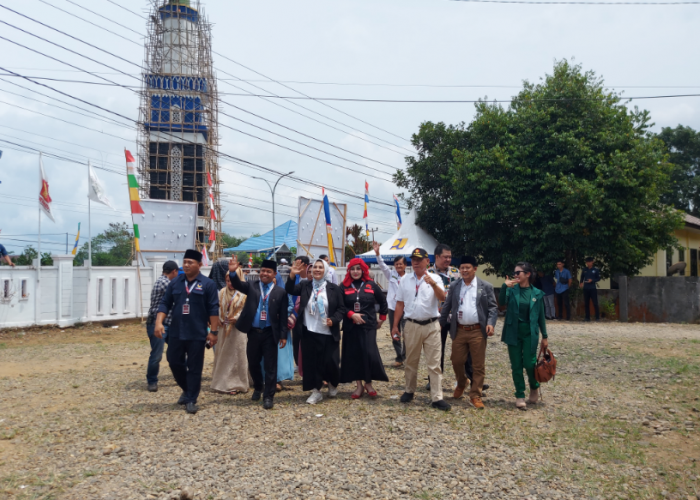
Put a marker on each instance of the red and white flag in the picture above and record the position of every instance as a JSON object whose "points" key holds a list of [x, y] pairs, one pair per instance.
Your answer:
{"points": [[44, 197], [212, 234], [205, 257]]}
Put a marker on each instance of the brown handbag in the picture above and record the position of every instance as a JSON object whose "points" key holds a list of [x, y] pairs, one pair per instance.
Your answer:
{"points": [[546, 367]]}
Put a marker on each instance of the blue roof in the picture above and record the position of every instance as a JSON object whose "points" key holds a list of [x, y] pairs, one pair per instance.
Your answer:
{"points": [[286, 234]]}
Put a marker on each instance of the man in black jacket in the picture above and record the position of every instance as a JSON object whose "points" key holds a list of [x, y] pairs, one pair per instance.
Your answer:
{"points": [[264, 319]]}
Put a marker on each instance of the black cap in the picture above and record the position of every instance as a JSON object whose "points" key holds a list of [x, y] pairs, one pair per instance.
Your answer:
{"points": [[194, 255], [269, 264], [589, 259], [468, 259], [170, 266], [419, 253]]}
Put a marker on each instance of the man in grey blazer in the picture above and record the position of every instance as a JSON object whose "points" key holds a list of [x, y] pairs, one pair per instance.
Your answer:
{"points": [[474, 309]]}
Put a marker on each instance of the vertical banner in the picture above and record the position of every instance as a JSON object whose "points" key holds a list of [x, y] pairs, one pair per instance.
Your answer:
{"points": [[133, 196], [366, 218], [398, 213], [329, 227], [77, 238], [212, 219]]}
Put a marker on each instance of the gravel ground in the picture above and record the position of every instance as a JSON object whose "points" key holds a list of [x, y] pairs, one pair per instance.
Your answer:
{"points": [[619, 421]]}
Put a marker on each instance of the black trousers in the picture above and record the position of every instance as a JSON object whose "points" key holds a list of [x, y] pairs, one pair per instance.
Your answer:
{"points": [[296, 339], [320, 360], [591, 295], [186, 360], [399, 345], [262, 344], [444, 332], [563, 302]]}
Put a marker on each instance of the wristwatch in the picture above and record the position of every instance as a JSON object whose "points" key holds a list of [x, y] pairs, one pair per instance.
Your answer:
{"points": [[215, 333]]}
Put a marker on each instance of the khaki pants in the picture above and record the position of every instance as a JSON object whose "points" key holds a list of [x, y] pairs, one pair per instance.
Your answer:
{"points": [[467, 342], [426, 337]]}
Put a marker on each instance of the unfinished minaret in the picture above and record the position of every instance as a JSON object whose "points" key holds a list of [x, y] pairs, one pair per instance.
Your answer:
{"points": [[178, 136]]}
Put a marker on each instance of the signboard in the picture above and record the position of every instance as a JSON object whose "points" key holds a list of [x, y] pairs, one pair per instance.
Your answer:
{"points": [[312, 239], [167, 227]]}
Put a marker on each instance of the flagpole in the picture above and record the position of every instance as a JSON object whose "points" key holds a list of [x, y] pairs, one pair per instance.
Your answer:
{"points": [[89, 230], [37, 294]]}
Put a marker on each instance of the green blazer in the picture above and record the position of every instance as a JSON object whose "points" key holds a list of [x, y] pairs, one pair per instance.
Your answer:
{"points": [[510, 297]]}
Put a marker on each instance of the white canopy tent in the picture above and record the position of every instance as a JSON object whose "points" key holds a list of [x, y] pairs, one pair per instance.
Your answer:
{"points": [[403, 242]]}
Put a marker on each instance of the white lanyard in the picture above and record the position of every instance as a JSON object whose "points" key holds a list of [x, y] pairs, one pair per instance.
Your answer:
{"points": [[189, 290], [418, 284]]}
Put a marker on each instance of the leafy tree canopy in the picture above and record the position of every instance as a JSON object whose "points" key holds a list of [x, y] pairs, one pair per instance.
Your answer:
{"points": [[683, 145], [114, 247], [566, 171], [26, 258]]}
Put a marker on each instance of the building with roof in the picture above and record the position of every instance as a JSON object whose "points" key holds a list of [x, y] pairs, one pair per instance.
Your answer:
{"points": [[285, 239]]}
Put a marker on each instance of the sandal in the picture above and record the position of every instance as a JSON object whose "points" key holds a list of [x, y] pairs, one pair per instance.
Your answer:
{"points": [[372, 394], [357, 396]]}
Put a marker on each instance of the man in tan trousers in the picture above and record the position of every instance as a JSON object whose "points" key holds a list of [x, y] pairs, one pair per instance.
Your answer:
{"points": [[471, 311], [417, 298]]}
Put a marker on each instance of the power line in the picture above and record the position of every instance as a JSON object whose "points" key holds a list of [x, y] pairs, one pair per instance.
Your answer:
{"points": [[577, 3]]}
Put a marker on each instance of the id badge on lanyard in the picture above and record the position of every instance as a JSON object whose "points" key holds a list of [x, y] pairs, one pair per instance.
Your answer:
{"points": [[186, 305], [357, 297], [263, 312]]}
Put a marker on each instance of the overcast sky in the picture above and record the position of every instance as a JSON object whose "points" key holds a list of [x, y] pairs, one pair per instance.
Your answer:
{"points": [[487, 49]]}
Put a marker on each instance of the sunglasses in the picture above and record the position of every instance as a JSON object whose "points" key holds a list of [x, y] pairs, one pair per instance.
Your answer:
{"points": [[516, 273]]}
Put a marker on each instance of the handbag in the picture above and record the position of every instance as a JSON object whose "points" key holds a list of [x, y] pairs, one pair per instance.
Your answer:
{"points": [[546, 368]]}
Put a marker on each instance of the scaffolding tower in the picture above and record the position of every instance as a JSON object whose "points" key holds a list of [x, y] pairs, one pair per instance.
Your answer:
{"points": [[178, 133]]}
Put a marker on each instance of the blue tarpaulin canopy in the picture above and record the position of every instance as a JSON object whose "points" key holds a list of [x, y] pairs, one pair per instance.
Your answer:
{"points": [[286, 234]]}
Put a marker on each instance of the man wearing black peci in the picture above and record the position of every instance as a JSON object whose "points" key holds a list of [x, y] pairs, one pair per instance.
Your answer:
{"points": [[194, 302], [264, 319]]}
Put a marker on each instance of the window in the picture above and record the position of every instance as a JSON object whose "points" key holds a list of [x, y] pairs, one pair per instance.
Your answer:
{"points": [[114, 295], [681, 255], [176, 114], [693, 261], [24, 287], [669, 258], [126, 295], [100, 296], [6, 290]]}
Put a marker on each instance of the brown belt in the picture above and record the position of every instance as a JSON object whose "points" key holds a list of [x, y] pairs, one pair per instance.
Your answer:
{"points": [[469, 328]]}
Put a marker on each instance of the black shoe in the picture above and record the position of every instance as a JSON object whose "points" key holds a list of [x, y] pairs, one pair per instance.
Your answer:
{"points": [[427, 387], [485, 387], [256, 396], [191, 408], [268, 403], [407, 397], [441, 405], [182, 400], [153, 387]]}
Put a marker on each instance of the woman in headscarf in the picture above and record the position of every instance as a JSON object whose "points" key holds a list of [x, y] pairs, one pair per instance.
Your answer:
{"points": [[361, 360], [230, 373], [321, 310], [218, 273]]}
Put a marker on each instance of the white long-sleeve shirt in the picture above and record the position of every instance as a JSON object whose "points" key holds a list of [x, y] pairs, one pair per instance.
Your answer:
{"points": [[393, 277]]}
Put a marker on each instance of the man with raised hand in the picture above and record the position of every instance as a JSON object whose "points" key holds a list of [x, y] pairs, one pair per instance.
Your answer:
{"points": [[417, 299], [264, 320], [194, 301]]}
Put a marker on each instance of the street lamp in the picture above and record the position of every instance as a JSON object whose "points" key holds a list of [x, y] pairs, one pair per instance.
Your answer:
{"points": [[272, 189]]}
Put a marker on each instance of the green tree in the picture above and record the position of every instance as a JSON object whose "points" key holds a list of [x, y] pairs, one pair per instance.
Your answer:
{"points": [[114, 247], [566, 171], [683, 144], [231, 241], [26, 258], [360, 243]]}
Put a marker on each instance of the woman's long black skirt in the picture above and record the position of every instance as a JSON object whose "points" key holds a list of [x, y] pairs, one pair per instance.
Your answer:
{"points": [[320, 355], [360, 358]]}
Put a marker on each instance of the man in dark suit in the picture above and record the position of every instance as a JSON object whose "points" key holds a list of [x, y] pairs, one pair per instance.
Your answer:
{"points": [[264, 319], [474, 311]]}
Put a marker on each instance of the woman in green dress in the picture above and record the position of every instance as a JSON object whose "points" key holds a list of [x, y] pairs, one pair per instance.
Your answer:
{"points": [[524, 321]]}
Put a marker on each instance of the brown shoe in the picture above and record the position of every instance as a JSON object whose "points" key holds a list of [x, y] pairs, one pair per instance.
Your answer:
{"points": [[459, 391], [478, 404]]}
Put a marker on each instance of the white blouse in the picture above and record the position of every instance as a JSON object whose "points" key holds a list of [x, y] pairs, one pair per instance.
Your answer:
{"points": [[314, 322]]}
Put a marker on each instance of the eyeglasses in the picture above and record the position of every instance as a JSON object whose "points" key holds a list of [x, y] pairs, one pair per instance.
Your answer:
{"points": [[516, 273]]}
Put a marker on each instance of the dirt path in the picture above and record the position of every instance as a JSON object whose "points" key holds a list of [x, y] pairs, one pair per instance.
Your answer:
{"points": [[619, 421]]}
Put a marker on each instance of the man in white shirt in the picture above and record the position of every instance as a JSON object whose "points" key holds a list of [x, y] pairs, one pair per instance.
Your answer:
{"points": [[417, 298], [474, 311], [331, 271]]}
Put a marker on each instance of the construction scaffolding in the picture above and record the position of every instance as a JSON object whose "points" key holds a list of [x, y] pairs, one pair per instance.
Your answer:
{"points": [[179, 129]]}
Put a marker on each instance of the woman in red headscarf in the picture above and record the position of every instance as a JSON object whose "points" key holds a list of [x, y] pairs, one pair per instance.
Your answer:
{"points": [[360, 360]]}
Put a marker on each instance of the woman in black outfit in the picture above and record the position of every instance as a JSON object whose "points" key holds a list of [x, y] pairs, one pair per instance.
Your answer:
{"points": [[361, 360], [321, 310]]}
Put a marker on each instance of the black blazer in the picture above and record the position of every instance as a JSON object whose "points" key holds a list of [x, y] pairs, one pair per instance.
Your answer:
{"points": [[277, 307], [336, 310]]}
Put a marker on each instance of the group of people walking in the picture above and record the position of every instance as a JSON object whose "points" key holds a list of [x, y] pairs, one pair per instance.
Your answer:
{"points": [[261, 328]]}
